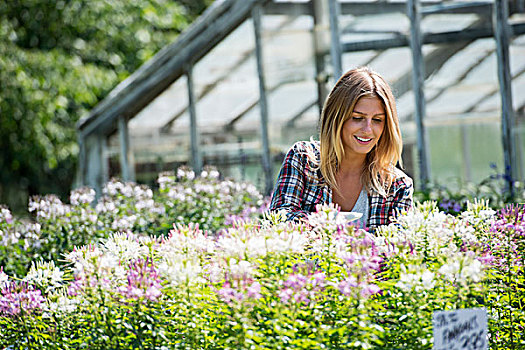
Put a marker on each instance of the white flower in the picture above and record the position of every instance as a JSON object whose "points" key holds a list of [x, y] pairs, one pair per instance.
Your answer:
{"points": [[4, 279], [462, 268], [255, 243], [427, 279], [124, 246], [82, 196], [178, 271], [84, 259], [45, 274], [5, 215], [166, 180], [105, 206], [124, 223], [327, 218], [450, 270], [423, 230], [240, 269], [416, 278], [214, 272], [185, 174], [188, 241], [473, 271], [62, 304]]}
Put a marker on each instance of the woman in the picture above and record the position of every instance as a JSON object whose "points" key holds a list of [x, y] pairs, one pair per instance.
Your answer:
{"points": [[353, 165]]}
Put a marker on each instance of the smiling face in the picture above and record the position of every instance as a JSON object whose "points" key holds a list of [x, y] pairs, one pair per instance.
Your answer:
{"points": [[361, 132]]}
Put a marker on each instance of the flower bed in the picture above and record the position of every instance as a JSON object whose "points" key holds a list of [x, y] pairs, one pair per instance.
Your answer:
{"points": [[267, 284], [181, 198]]}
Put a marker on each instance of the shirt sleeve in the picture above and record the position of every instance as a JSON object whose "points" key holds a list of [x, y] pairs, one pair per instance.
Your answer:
{"points": [[403, 197], [290, 186]]}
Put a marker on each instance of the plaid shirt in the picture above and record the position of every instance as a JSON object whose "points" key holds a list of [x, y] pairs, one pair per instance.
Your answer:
{"points": [[300, 187]]}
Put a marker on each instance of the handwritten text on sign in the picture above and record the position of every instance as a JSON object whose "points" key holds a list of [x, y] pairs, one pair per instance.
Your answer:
{"points": [[464, 329]]}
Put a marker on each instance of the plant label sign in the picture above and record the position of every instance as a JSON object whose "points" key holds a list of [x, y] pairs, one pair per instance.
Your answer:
{"points": [[464, 329]]}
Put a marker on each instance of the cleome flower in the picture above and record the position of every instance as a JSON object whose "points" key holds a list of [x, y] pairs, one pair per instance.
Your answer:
{"points": [[48, 207], [327, 218], [423, 230], [415, 277], [20, 298], [301, 288], [462, 268], [239, 285], [143, 282], [61, 303], [236, 292], [259, 242], [185, 173], [124, 246], [354, 288], [81, 196], [188, 240], [45, 275], [180, 270], [5, 215]]}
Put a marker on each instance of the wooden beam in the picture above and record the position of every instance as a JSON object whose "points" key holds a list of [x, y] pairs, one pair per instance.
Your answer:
{"points": [[433, 62], [196, 159], [321, 41], [358, 8], [263, 104], [243, 58], [433, 38], [482, 8], [126, 162], [291, 122], [335, 46], [502, 34], [156, 75], [418, 81], [96, 169]]}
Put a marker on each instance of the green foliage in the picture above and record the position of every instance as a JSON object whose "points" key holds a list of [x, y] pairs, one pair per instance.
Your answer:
{"points": [[59, 227], [58, 59], [453, 197], [269, 284]]}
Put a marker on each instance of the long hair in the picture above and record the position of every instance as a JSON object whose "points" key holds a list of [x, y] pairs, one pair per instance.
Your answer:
{"points": [[378, 172]]}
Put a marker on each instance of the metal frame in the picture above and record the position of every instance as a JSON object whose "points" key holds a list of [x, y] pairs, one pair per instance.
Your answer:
{"points": [[129, 97]]}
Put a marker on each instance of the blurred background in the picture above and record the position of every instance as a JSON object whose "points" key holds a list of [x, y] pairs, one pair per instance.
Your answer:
{"points": [[97, 89], [58, 59]]}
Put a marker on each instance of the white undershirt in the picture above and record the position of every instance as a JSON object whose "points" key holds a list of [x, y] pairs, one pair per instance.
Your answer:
{"points": [[361, 206]]}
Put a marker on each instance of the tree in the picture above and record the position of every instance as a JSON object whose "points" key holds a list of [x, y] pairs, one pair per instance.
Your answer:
{"points": [[58, 59]]}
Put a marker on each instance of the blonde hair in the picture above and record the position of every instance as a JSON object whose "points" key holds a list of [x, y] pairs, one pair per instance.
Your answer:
{"points": [[380, 162]]}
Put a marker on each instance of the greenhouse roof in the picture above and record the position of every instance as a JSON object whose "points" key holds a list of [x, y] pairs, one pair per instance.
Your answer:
{"points": [[463, 82], [460, 62]]}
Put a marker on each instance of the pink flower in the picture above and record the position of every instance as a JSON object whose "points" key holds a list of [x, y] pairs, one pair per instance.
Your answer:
{"points": [[243, 291], [285, 294], [230, 295], [143, 282], [302, 289], [17, 298], [369, 289], [254, 291], [348, 286]]}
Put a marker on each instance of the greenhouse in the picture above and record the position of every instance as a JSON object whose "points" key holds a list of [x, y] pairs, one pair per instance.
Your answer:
{"points": [[462, 123]]}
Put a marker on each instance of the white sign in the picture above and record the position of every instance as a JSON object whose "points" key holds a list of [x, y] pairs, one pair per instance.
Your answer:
{"points": [[464, 329]]}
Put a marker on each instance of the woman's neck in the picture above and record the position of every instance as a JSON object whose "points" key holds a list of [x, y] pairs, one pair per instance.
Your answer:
{"points": [[351, 166]]}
